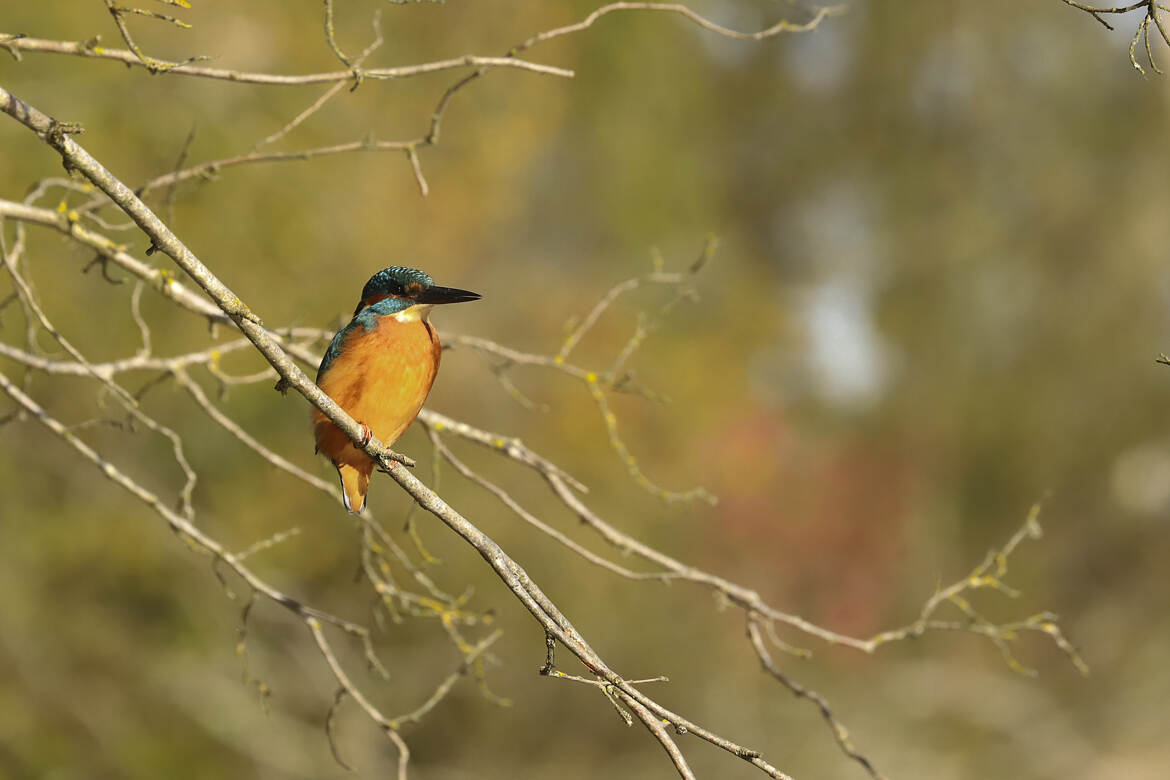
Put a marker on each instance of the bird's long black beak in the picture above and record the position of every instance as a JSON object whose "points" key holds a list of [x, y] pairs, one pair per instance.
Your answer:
{"points": [[437, 295]]}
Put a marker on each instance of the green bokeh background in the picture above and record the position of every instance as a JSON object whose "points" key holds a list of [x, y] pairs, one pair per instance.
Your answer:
{"points": [[939, 293]]}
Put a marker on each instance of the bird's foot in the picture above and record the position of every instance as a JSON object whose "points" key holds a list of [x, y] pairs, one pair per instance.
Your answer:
{"points": [[367, 434]]}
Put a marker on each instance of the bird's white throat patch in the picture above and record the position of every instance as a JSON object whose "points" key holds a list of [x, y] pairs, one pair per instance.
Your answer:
{"points": [[415, 313]]}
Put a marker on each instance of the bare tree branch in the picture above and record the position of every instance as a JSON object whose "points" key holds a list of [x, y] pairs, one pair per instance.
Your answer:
{"points": [[1142, 34], [91, 50]]}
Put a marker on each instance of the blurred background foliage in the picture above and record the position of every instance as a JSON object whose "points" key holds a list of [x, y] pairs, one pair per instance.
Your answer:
{"points": [[939, 295]]}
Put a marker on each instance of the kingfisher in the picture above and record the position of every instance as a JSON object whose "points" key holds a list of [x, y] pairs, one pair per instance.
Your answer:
{"points": [[379, 368]]}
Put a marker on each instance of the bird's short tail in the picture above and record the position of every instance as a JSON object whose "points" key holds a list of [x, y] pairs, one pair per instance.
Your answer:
{"points": [[354, 483]]}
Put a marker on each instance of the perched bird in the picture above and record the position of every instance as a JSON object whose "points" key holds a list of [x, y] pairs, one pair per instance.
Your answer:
{"points": [[380, 368]]}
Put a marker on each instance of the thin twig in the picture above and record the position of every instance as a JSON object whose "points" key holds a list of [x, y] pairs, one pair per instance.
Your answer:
{"points": [[840, 733]]}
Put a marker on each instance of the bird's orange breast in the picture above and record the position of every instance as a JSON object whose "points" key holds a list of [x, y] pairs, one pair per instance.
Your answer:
{"points": [[381, 378]]}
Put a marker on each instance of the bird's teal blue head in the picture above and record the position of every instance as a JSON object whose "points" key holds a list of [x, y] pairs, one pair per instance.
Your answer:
{"points": [[398, 288]]}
